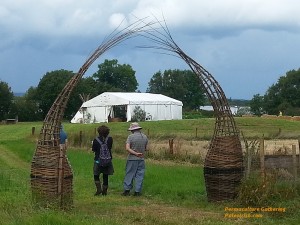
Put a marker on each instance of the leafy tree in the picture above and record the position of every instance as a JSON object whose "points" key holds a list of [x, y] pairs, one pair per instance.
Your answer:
{"points": [[6, 100], [52, 84], [290, 88], [27, 108], [272, 100], [238, 102], [256, 104], [284, 95], [183, 85], [112, 76], [138, 114], [49, 87], [245, 110], [156, 84]]}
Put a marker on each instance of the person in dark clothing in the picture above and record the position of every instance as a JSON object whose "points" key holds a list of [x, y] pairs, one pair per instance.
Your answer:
{"points": [[103, 132], [63, 138]]}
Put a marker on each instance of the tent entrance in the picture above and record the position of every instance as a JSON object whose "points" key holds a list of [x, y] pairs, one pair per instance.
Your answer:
{"points": [[118, 114]]}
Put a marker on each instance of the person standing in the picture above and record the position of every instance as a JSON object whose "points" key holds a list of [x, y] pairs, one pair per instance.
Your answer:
{"points": [[63, 138], [136, 145], [106, 170]]}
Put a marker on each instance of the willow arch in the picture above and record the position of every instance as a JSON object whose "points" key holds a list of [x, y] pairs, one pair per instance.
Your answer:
{"points": [[51, 173]]}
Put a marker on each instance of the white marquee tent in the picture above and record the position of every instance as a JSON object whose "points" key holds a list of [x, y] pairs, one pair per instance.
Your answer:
{"points": [[102, 108]]}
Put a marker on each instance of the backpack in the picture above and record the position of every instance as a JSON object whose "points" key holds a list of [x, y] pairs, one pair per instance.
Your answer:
{"points": [[104, 155]]}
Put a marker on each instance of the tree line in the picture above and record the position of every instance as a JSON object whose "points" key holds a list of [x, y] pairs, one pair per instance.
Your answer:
{"points": [[111, 76], [183, 85], [283, 96]]}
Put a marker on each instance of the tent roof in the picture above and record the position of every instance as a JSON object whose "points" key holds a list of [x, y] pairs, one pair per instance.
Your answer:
{"points": [[127, 98]]}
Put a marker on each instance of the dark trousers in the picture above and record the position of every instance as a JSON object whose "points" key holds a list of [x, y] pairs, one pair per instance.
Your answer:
{"points": [[105, 178]]}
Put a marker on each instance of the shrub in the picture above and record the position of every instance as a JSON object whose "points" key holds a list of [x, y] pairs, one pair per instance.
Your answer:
{"points": [[197, 114], [256, 191], [138, 114]]}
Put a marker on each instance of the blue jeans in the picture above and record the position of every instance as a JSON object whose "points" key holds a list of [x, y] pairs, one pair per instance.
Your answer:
{"points": [[135, 170]]}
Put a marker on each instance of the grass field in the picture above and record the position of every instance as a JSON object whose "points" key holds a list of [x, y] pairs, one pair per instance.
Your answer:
{"points": [[174, 192]]}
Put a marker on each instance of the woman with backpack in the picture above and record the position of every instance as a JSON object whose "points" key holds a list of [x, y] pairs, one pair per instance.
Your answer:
{"points": [[102, 146]]}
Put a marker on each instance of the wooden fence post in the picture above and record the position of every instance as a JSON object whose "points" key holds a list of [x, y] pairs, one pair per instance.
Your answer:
{"points": [[249, 161], [80, 138], [60, 174], [171, 149], [295, 164], [262, 157], [196, 132], [32, 131]]}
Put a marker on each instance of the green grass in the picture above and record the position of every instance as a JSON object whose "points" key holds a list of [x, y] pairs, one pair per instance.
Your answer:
{"points": [[185, 129], [174, 193], [199, 129], [169, 186]]}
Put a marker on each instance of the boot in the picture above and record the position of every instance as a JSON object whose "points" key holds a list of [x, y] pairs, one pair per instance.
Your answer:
{"points": [[137, 193], [98, 186], [104, 190], [126, 193]]}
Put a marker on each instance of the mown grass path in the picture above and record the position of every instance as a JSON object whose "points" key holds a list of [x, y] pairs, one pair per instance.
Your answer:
{"points": [[11, 159]]}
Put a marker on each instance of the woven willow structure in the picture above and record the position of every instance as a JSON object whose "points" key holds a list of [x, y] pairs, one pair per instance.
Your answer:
{"points": [[223, 167], [51, 173]]}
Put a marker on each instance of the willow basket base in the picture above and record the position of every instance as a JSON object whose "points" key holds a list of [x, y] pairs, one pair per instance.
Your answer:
{"points": [[222, 185], [45, 193]]}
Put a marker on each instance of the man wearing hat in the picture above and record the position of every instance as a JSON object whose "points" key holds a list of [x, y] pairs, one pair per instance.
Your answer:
{"points": [[136, 145]]}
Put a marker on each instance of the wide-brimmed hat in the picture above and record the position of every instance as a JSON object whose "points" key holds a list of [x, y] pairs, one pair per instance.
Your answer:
{"points": [[134, 126]]}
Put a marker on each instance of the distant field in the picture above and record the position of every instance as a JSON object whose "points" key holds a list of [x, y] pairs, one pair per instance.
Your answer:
{"points": [[200, 129], [190, 137]]}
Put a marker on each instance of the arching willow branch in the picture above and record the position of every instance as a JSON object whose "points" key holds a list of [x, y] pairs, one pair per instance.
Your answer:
{"points": [[223, 166], [55, 114], [162, 39]]}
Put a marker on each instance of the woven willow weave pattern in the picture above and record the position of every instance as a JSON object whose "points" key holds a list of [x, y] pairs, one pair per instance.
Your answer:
{"points": [[223, 166]]}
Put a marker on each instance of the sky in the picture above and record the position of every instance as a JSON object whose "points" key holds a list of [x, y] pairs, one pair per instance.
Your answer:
{"points": [[246, 45]]}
